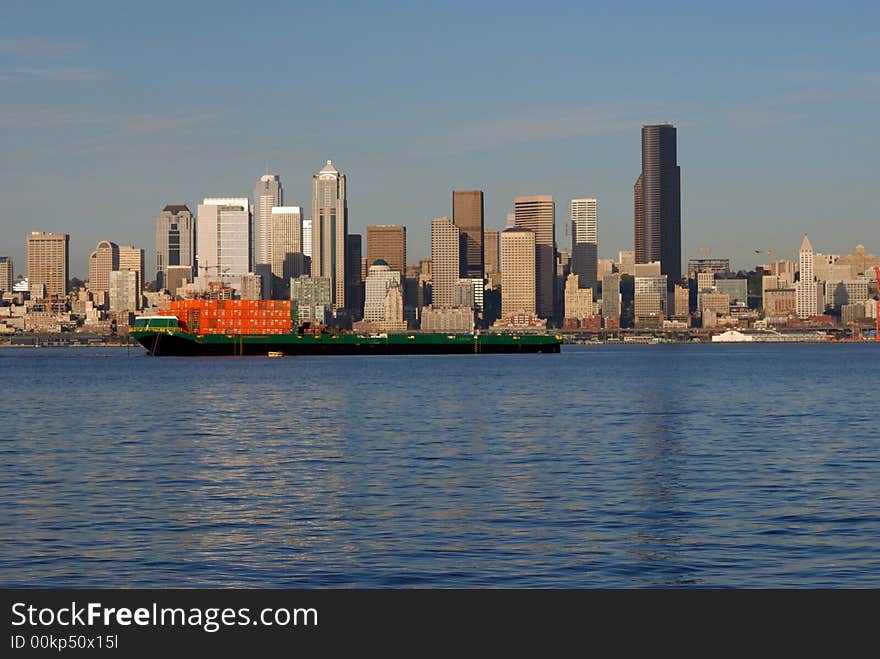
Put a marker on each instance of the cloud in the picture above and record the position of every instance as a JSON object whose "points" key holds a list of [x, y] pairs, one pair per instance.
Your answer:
{"points": [[62, 73], [37, 47], [136, 122], [500, 131]]}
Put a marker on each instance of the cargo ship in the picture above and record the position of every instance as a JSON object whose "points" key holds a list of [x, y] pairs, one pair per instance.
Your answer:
{"points": [[258, 328]]}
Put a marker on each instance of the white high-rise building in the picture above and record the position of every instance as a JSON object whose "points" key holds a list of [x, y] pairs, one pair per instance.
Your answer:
{"points": [[380, 279], [267, 195], [807, 297], [585, 241], [307, 238], [223, 239], [445, 245]]}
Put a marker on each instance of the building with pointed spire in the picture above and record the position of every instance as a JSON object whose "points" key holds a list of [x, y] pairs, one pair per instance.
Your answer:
{"points": [[807, 298], [330, 230]]}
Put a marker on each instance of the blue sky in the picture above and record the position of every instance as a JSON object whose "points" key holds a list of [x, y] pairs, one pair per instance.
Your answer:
{"points": [[112, 110]]}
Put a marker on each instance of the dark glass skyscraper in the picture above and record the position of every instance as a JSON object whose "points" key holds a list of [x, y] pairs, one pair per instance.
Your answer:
{"points": [[467, 215], [658, 202]]}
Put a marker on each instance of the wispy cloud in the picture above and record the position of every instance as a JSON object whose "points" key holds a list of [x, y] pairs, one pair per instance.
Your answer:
{"points": [[501, 131], [135, 123], [39, 48], [63, 73]]}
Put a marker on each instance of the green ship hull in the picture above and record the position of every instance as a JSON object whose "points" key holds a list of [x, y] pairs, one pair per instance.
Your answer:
{"points": [[174, 341]]}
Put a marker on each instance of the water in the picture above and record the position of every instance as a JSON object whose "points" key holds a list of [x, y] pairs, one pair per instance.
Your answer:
{"points": [[637, 466]]}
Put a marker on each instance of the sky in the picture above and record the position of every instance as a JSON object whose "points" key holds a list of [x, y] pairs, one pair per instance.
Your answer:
{"points": [[112, 110]]}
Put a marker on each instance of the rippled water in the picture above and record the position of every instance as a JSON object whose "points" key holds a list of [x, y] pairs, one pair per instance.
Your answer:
{"points": [[603, 466]]}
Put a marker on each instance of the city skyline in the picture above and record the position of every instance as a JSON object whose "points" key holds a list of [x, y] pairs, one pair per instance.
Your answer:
{"points": [[765, 126]]}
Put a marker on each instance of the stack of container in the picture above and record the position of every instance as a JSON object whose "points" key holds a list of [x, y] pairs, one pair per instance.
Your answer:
{"points": [[232, 316]]}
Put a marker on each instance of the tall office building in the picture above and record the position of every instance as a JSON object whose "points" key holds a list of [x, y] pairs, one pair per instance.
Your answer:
{"points": [[585, 241], [388, 243], [467, 215], [380, 278], [538, 213], [175, 240], [267, 195], [132, 258], [7, 276], [223, 238], [48, 260], [490, 251], [611, 295], [286, 252], [123, 291], [307, 240], [650, 298], [329, 229], [658, 202], [355, 288], [807, 296], [518, 265], [103, 261], [445, 254]]}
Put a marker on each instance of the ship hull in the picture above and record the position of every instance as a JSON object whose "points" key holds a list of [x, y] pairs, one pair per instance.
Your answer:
{"points": [[177, 343]]}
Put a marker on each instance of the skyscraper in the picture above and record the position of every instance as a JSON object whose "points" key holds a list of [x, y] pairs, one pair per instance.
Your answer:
{"points": [[355, 288], [123, 291], [611, 296], [585, 241], [132, 258], [445, 255], [6, 274], [658, 202], [267, 195], [467, 215], [223, 238], [388, 243], [490, 251], [175, 240], [807, 297], [329, 230], [48, 256], [538, 213], [102, 261], [287, 258], [518, 278]]}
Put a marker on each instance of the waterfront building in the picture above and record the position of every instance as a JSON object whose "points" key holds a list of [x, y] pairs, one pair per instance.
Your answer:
{"points": [[807, 298], [7, 275], [453, 320], [780, 302], [717, 302], [311, 298], [223, 244], [585, 241], [329, 230], [380, 278], [123, 291], [445, 254], [658, 202], [518, 279], [538, 214], [102, 261], [467, 215], [611, 296], [681, 309], [132, 258], [650, 300], [387, 242], [287, 258], [175, 241], [578, 301], [268, 194]]}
